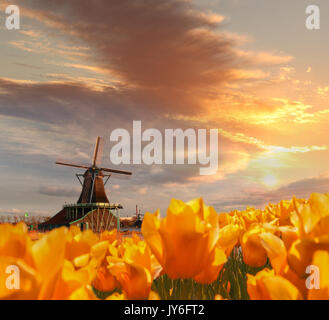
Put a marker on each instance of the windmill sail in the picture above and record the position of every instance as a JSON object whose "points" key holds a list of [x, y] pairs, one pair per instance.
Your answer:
{"points": [[98, 152]]}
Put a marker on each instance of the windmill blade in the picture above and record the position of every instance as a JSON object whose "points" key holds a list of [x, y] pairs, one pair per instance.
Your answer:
{"points": [[99, 155], [97, 150], [71, 165], [116, 171]]}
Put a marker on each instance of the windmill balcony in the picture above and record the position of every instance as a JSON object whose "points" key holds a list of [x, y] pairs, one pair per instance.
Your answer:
{"points": [[78, 210]]}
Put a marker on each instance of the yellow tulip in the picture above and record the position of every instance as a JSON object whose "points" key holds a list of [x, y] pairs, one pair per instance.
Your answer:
{"points": [[83, 293], [312, 217], [321, 261], [229, 237], [184, 242], [39, 263], [267, 286], [288, 235], [253, 251], [215, 262], [56, 266], [109, 236], [191, 242], [79, 243], [276, 251], [312, 221], [15, 241], [104, 280], [132, 266], [282, 211], [28, 287]]}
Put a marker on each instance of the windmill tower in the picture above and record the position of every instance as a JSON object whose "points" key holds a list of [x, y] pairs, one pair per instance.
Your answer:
{"points": [[93, 209]]}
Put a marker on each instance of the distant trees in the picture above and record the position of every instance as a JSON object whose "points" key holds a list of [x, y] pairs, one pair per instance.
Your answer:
{"points": [[31, 221]]}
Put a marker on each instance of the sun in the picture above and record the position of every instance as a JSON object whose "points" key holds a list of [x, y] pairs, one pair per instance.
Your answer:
{"points": [[270, 180]]}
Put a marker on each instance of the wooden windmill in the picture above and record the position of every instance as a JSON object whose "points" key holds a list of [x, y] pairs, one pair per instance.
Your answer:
{"points": [[93, 209], [93, 190]]}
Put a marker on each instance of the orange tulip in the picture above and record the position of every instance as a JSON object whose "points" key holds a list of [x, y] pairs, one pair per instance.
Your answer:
{"points": [[311, 218], [104, 280], [28, 286], [215, 262], [39, 263], [253, 251], [109, 236], [184, 242], [267, 286], [321, 261], [229, 237], [59, 265], [15, 241], [15, 250], [132, 265]]}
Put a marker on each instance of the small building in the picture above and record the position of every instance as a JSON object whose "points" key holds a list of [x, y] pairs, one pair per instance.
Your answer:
{"points": [[97, 217]]}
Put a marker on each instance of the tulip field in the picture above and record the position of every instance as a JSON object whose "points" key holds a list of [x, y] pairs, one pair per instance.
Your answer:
{"points": [[192, 252]]}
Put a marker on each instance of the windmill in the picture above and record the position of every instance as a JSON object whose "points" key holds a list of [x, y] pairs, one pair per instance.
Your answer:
{"points": [[93, 190], [93, 209]]}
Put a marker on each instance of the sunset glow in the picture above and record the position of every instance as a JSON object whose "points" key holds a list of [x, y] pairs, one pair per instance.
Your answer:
{"points": [[254, 72], [270, 180]]}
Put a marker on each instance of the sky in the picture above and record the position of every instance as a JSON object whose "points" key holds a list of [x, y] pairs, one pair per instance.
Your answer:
{"points": [[80, 69]]}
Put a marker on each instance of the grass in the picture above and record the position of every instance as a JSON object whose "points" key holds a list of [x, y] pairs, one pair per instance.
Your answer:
{"points": [[233, 276]]}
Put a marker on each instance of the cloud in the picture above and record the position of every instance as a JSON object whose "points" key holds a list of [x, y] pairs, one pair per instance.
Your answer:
{"points": [[169, 55], [323, 91], [266, 58], [248, 140], [55, 191], [56, 120], [164, 50], [258, 197], [107, 63], [142, 191], [155, 58]]}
